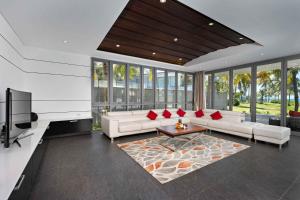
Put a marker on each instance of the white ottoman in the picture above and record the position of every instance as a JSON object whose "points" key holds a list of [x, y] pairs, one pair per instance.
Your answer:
{"points": [[273, 134]]}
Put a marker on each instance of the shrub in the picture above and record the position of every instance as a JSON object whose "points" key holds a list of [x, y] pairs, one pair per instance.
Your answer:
{"points": [[275, 101], [236, 102]]}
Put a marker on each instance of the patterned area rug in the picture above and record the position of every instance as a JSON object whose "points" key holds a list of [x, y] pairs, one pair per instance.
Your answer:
{"points": [[166, 165]]}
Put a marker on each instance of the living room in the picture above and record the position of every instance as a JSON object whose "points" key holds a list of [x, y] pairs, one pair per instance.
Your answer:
{"points": [[159, 99]]}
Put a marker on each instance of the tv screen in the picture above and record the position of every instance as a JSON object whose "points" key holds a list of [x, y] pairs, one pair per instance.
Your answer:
{"points": [[18, 113]]}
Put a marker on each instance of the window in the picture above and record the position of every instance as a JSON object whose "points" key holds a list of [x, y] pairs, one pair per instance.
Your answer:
{"points": [[134, 87], [181, 90], [242, 91], [125, 87], [221, 91], [293, 88], [268, 92], [160, 89], [119, 87], [171, 89], [208, 90], [148, 99], [189, 92]]}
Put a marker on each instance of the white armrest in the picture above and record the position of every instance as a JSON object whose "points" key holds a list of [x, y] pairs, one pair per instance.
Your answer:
{"points": [[110, 126]]}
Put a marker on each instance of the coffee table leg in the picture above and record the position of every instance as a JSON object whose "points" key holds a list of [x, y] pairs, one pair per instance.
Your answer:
{"points": [[166, 146], [194, 138]]}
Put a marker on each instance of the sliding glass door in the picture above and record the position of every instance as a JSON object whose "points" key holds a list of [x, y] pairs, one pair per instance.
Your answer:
{"points": [[221, 91], [119, 87], [160, 100], [293, 94], [171, 98], [148, 93], [180, 90], [208, 90], [189, 92], [100, 91], [242, 91], [134, 88], [268, 92]]}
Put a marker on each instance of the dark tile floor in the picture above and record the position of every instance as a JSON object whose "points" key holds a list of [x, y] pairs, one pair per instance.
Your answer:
{"points": [[90, 167]]}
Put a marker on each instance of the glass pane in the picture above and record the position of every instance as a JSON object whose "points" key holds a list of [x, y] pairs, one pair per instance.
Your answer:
{"points": [[171, 87], [268, 92], [100, 92], [293, 92], [208, 90], [221, 91], [148, 107], [134, 107], [180, 90], [119, 108], [189, 91], [100, 85], [160, 87], [148, 86], [134, 84], [242, 91], [119, 77]]}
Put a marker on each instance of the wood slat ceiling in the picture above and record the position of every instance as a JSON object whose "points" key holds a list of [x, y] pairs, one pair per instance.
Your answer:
{"points": [[148, 26]]}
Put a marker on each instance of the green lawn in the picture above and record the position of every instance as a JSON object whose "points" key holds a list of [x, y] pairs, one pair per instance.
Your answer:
{"points": [[265, 108]]}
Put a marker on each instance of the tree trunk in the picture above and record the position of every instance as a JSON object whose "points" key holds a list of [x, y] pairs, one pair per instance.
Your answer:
{"points": [[262, 97], [295, 88]]}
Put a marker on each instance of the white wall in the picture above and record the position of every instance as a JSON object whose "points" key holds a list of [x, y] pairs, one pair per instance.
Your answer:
{"points": [[10, 74], [60, 82]]}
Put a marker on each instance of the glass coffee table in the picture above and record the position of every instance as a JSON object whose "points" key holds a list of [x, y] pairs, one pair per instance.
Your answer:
{"points": [[173, 133]]}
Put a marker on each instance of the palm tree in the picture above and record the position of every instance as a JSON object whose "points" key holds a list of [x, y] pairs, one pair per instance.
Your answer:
{"points": [[263, 78]]}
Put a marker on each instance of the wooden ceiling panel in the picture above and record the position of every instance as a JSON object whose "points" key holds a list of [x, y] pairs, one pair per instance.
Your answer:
{"points": [[147, 26]]}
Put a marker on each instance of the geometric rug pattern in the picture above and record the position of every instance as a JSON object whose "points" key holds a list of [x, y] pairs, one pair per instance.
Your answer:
{"points": [[165, 165]]}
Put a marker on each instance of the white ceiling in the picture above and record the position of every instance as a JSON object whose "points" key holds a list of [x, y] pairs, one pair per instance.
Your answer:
{"points": [[275, 24]]}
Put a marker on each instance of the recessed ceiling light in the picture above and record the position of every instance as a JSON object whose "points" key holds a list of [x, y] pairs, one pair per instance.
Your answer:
{"points": [[180, 59], [153, 53], [66, 41], [211, 24], [241, 38], [175, 39], [163, 1], [118, 45]]}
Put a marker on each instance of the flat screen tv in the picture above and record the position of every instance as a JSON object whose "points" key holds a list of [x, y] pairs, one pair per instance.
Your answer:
{"points": [[18, 114]]}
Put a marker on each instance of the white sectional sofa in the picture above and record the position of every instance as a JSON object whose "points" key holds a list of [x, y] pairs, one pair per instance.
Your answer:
{"points": [[116, 124], [231, 123]]}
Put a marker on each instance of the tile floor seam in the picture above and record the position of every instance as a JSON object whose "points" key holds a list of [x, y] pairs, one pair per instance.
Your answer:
{"points": [[289, 188]]}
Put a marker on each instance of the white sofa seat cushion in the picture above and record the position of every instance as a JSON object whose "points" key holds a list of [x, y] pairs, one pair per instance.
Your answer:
{"points": [[150, 124], [129, 126], [270, 131], [241, 128], [219, 124], [200, 120], [229, 126]]}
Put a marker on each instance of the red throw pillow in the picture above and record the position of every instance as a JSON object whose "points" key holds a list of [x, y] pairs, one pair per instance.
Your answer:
{"points": [[151, 115], [216, 115], [167, 114], [199, 113], [294, 113], [180, 112]]}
